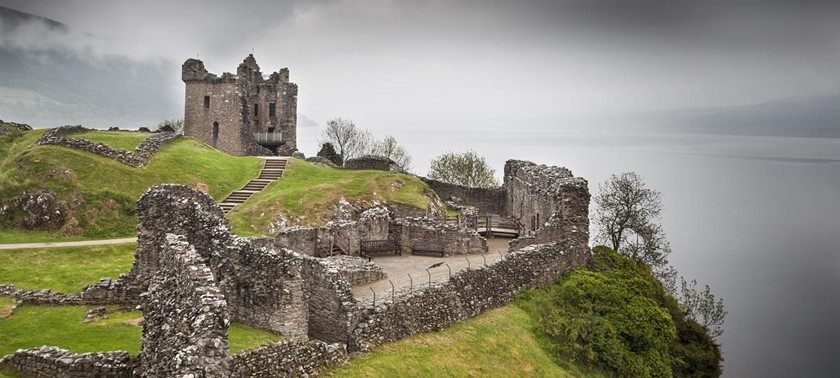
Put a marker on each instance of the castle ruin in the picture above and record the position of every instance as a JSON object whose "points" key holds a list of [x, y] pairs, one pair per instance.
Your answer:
{"points": [[244, 114]]}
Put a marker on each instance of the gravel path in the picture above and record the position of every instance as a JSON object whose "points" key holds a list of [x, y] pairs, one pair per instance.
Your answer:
{"points": [[82, 243]]}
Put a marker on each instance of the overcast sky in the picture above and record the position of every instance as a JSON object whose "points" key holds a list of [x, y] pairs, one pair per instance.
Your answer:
{"points": [[440, 64]]}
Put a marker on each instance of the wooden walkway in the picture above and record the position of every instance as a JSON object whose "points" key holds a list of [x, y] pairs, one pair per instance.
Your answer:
{"points": [[489, 225], [273, 169]]}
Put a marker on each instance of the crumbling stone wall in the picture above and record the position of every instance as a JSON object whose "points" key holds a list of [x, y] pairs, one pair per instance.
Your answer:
{"points": [[288, 359], [262, 286], [354, 270], [487, 200], [52, 362], [239, 106], [332, 311], [41, 210], [376, 163], [457, 240], [184, 317], [141, 156], [548, 201], [467, 294], [8, 127]]}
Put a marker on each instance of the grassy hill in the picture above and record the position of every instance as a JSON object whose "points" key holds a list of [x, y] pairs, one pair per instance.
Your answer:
{"points": [[308, 193], [102, 193]]}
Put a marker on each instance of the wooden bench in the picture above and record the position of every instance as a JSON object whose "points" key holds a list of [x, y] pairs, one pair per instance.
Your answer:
{"points": [[368, 248], [427, 247]]}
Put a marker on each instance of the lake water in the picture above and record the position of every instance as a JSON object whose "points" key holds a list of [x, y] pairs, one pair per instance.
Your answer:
{"points": [[757, 218]]}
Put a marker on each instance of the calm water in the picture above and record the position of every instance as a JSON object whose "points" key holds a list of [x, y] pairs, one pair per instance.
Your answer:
{"points": [[757, 218]]}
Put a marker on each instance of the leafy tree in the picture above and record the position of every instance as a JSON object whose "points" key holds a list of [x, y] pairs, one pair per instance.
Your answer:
{"points": [[343, 134], [173, 125], [467, 169], [389, 148]]}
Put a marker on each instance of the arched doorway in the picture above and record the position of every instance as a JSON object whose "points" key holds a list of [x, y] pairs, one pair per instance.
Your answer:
{"points": [[215, 133]]}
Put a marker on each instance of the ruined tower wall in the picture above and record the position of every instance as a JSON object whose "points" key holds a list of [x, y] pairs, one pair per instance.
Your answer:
{"points": [[548, 201], [487, 200], [225, 108]]}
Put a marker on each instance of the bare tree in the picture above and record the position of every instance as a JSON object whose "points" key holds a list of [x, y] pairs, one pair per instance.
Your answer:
{"points": [[702, 307], [389, 148], [349, 140], [627, 214], [467, 169]]}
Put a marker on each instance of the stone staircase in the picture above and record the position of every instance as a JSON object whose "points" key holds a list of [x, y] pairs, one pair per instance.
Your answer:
{"points": [[273, 168]]}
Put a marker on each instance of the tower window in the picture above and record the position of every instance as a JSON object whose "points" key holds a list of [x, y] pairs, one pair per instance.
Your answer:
{"points": [[206, 102], [272, 109], [215, 133], [256, 110]]}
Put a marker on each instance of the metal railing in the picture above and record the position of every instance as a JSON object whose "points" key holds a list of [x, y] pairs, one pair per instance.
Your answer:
{"points": [[268, 137]]}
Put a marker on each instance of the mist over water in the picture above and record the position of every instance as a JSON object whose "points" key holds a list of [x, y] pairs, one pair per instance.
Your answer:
{"points": [[756, 218]]}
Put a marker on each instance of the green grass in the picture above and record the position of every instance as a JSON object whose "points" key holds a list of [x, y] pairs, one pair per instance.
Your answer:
{"points": [[104, 192], [26, 236], [308, 192], [65, 270], [499, 343], [119, 140], [33, 326], [6, 305]]}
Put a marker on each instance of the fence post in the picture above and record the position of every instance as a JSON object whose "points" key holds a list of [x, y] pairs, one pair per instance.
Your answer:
{"points": [[450, 270], [484, 256], [392, 290], [430, 277], [374, 295], [411, 283], [501, 256], [468, 262]]}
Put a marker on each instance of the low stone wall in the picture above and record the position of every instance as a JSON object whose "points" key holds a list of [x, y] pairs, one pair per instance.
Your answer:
{"points": [[376, 163], [8, 127], [355, 270], [487, 200], [138, 158], [185, 317], [467, 294], [457, 240], [322, 161], [52, 362], [287, 359]]}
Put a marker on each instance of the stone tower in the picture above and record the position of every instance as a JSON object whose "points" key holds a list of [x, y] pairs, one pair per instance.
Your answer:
{"points": [[242, 114]]}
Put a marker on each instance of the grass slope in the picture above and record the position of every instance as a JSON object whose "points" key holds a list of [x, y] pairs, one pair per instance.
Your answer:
{"points": [[119, 140], [104, 192], [308, 192], [65, 270], [499, 343], [33, 326]]}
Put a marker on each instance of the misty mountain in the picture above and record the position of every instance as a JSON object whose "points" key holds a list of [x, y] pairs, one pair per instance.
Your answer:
{"points": [[46, 85], [796, 117]]}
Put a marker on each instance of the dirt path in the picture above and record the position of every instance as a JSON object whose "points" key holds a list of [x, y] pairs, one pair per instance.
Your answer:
{"points": [[83, 243]]}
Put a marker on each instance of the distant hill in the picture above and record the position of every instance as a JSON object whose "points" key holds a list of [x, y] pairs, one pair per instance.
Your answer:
{"points": [[49, 87], [797, 117]]}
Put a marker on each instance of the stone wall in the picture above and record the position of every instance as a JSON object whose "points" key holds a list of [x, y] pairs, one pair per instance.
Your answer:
{"points": [[548, 201], [487, 200], [262, 286], [184, 317], [467, 294], [457, 240], [288, 359], [331, 304], [355, 270], [52, 362], [8, 127], [141, 156], [375, 163]]}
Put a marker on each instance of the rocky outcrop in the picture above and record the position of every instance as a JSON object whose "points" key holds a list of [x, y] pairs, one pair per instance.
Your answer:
{"points": [[40, 210]]}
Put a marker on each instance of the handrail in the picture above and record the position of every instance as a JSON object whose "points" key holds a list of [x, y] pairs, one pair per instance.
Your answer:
{"points": [[268, 137]]}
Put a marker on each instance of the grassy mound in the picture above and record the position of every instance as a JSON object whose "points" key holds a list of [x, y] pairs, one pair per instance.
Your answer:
{"points": [[65, 270], [499, 343], [307, 194], [33, 326], [102, 193], [118, 140]]}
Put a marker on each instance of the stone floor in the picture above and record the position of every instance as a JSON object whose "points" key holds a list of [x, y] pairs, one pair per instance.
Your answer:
{"points": [[409, 271]]}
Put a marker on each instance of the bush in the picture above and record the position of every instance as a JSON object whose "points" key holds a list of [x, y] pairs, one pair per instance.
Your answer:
{"points": [[615, 316]]}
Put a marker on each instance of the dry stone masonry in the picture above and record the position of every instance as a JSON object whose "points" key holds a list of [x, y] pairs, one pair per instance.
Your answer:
{"points": [[52, 362], [141, 156]]}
